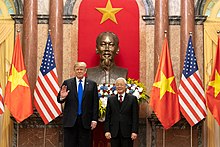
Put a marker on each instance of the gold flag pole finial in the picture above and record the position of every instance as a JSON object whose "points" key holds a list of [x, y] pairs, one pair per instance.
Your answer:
{"points": [[49, 31], [218, 32], [165, 33], [190, 33], [18, 31]]}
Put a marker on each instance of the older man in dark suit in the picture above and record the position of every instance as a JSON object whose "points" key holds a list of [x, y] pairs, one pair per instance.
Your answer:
{"points": [[121, 121], [80, 113]]}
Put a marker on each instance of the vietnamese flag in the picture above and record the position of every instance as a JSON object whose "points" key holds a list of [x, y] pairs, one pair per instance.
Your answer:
{"points": [[164, 98], [118, 16], [17, 92], [213, 89]]}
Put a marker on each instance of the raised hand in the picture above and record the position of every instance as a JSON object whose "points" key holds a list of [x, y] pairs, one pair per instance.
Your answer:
{"points": [[64, 92]]}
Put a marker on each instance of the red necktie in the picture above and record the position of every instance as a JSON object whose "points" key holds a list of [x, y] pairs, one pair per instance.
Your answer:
{"points": [[120, 96]]}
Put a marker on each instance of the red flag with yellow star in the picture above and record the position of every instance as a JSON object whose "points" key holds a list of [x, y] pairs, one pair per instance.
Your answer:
{"points": [[118, 16], [17, 92], [164, 98], [213, 89]]}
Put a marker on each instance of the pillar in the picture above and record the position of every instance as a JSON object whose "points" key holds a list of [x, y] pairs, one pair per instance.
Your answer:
{"points": [[30, 38], [161, 24], [56, 27]]}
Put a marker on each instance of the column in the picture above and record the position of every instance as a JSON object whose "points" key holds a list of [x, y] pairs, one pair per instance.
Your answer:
{"points": [[30, 39], [187, 25], [161, 24], [56, 27]]}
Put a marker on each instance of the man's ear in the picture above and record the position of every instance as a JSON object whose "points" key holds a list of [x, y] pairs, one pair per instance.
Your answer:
{"points": [[97, 51], [117, 51]]}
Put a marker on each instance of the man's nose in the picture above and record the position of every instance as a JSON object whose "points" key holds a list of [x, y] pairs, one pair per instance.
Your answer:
{"points": [[107, 46]]}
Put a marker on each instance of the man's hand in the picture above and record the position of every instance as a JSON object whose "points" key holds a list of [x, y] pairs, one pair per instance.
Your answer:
{"points": [[108, 135], [93, 125], [63, 92], [133, 136]]}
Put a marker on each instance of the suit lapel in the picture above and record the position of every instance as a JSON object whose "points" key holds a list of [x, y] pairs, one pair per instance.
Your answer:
{"points": [[74, 87], [116, 102], [86, 85], [124, 103]]}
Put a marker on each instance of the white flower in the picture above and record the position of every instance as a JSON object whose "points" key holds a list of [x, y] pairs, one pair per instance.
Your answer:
{"points": [[104, 101], [140, 89], [136, 93]]}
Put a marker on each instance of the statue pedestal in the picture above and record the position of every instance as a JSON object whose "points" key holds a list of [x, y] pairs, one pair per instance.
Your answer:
{"points": [[99, 139]]}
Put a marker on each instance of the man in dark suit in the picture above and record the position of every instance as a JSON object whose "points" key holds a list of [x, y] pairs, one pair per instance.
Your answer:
{"points": [[121, 121], [80, 114]]}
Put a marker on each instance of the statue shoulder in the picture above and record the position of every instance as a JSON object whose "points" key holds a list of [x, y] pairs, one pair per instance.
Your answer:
{"points": [[119, 72], [93, 69], [120, 69]]}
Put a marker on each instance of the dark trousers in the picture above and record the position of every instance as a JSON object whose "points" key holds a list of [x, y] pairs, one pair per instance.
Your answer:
{"points": [[77, 136], [120, 141]]}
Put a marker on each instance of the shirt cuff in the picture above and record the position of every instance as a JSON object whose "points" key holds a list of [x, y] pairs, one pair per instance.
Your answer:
{"points": [[62, 98], [94, 121]]}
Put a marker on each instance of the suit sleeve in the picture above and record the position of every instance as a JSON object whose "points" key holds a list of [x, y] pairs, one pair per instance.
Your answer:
{"points": [[95, 103], [135, 114], [107, 117]]}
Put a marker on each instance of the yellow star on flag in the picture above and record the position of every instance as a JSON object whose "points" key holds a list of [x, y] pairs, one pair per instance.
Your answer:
{"points": [[216, 83], [16, 78], [108, 12], [164, 84]]}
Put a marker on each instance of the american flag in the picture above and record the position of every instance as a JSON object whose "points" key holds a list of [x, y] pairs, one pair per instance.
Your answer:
{"points": [[46, 90], [191, 92], [1, 101]]}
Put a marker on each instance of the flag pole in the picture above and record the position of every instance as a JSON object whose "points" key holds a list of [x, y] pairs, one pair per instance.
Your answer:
{"points": [[45, 132], [17, 133], [165, 33], [191, 136], [164, 132], [191, 140], [164, 137]]}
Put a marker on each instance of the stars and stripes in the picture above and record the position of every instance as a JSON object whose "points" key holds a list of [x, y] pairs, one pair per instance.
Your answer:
{"points": [[46, 90], [1, 101], [191, 92]]}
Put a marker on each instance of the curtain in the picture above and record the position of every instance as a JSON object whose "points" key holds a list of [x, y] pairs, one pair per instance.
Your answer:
{"points": [[210, 44], [6, 51]]}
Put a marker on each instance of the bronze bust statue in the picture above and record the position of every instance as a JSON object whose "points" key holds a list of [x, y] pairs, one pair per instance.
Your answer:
{"points": [[107, 46]]}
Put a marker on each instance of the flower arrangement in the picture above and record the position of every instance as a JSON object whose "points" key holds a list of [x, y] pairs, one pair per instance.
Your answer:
{"points": [[106, 90]]}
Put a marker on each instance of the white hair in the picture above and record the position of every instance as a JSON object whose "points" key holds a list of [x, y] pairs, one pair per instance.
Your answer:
{"points": [[120, 78]]}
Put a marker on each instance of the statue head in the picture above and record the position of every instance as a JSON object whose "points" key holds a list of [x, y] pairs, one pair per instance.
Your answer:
{"points": [[107, 47]]}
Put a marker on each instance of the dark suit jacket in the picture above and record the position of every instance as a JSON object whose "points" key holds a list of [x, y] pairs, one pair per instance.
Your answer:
{"points": [[90, 103], [126, 117]]}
